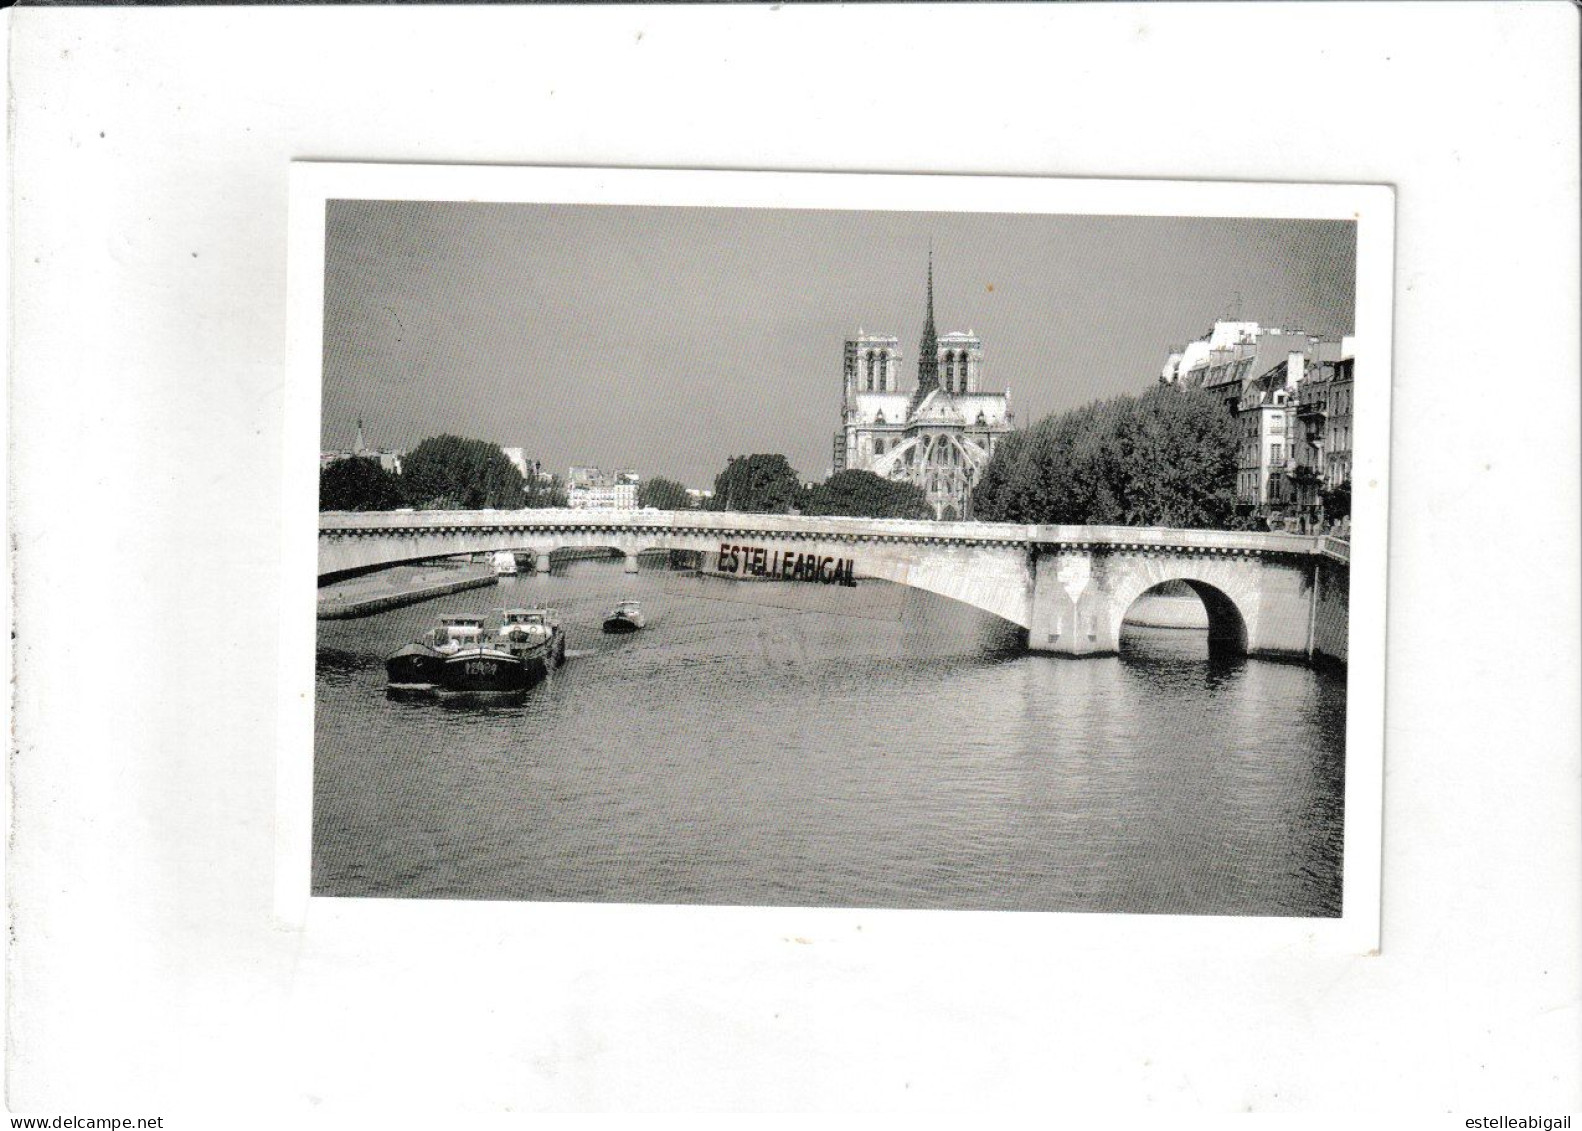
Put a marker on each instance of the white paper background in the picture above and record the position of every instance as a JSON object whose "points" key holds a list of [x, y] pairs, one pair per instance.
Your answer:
{"points": [[149, 336]]}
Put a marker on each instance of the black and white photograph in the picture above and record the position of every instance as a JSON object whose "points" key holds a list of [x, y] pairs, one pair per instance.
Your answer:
{"points": [[905, 559], [859, 558]]}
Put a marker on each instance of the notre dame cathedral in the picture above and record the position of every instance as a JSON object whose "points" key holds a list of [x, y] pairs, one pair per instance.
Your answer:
{"points": [[938, 435]]}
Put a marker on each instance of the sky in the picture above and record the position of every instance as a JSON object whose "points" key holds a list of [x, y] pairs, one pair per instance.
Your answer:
{"points": [[670, 339]]}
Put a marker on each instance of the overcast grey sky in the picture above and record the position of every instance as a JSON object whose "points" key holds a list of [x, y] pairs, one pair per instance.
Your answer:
{"points": [[668, 339]]}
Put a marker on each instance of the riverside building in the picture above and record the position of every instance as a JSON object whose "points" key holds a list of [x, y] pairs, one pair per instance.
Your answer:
{"points": [[1285, 389], [588, 488], [1324, 415], [939, 434]]}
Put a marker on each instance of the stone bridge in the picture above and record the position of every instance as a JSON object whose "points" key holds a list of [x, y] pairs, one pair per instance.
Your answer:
{"points": [[1068, 586]]}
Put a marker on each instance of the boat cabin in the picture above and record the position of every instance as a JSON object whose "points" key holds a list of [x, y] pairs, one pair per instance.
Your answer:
{"points": [[546, 618], [458, 632]]}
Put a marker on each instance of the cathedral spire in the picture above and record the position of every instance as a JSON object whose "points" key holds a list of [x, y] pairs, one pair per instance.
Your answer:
{"points": [[928, 350]]}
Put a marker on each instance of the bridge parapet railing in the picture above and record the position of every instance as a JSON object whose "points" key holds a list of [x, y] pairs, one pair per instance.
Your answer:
{"points": [[1337, 548], [736, 522], [331, 522], [1173, 539]]}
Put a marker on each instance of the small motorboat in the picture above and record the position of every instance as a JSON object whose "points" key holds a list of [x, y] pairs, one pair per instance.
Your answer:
{"points": [[504, 563], [625, 617]]}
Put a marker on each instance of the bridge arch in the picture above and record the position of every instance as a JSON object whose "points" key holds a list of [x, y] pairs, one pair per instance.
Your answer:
{"points": [[1227, 627], [1229, 599]]}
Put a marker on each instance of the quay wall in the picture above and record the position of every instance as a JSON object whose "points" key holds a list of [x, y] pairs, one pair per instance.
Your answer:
{"points": [[332, 609], [1167, 610], [1332, 612]]}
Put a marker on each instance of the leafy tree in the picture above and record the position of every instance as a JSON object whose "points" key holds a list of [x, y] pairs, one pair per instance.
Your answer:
{"points": [[1178, 455], [359, 484], [761, 484], [1337, 501], [538, 492], [1165, 458], [862, 494], [664, 494], [448, 472]]}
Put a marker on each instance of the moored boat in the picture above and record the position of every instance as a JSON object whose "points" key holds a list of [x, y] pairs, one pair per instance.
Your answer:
{"points": [[504, 563], [625, 617]]}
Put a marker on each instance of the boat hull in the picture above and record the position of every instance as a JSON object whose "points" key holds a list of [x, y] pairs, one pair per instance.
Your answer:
{"points": [[620, 625], [484, 670], [498, 666], [415, 667]]}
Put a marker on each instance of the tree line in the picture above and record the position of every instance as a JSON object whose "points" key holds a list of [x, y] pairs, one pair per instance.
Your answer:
{"points": [[441, 473], [452, 473], [1166, 457], [767, 484]]}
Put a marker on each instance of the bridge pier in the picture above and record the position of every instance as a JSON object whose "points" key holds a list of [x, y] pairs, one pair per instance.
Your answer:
{"points": [[1081, 596], [541, 563], [631, 562], [1067, 626]]}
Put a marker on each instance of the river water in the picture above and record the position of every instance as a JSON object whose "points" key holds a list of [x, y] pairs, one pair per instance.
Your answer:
{"points": [[736, 753]]}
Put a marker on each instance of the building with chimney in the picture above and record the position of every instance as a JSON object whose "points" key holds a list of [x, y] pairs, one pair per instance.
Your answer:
{"points": [[588, 488], [1290, 394], [1266, 425], [938, 434]]}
